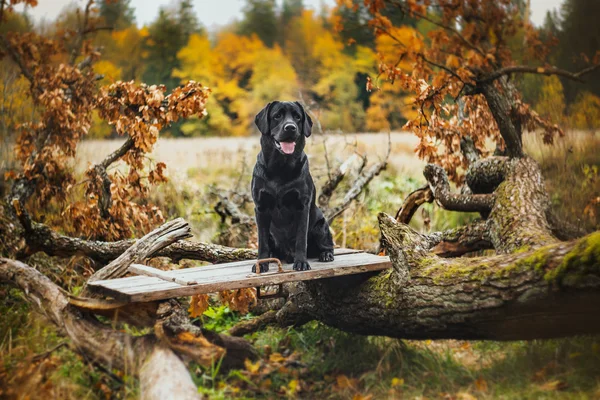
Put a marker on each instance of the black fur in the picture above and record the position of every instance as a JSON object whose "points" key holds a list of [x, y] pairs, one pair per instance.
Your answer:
{"points": [[290, 225]]}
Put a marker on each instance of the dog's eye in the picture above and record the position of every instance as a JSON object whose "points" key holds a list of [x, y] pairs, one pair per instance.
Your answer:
{"points": [[277, 116], [297, 117]]}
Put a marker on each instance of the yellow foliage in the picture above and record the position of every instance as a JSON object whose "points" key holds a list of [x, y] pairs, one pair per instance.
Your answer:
{"points": [[552, 99], [585, 112], [15, 104], [110, 71]]}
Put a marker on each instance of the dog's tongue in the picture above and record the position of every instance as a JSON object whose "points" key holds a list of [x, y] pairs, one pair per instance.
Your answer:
{"points": [[288, 147]]}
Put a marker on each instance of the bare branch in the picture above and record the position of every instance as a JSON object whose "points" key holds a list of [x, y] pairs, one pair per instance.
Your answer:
{"points": [[227, 208], [412, 203], [359, 184], [335, 179], [145, 247], [41, 238], [438, 182], [524, 69]]}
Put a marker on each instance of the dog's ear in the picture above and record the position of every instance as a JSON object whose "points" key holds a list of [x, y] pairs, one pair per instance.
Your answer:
{"points": [[262, 119], [307, 124]]}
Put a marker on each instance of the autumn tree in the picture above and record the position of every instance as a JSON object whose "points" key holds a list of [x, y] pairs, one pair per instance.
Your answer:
{"points": [[578, 34], [260, 19], [534, 285], [117, 14]]}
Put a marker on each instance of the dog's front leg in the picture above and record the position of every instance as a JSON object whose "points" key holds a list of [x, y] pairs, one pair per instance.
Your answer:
{"points": [[263, 225], [300, 261]]}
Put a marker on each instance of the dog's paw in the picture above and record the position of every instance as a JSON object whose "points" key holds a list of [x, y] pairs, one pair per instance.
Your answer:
{"points": [[264, 267], [301, 266], [326, 256]]}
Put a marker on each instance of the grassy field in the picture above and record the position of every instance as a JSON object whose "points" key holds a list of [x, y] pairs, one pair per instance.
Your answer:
{"points": [[315, 360]]}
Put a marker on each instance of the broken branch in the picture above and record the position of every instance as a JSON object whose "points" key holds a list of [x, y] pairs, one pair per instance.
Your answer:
{"points": [[438, 182]]}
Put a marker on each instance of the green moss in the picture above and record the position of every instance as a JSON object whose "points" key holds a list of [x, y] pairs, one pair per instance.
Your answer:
{"points": [[438, 270], [583, 259], [383, 289]]}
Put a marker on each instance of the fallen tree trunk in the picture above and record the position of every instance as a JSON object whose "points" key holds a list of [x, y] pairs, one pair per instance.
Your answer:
{"points": [[552, 291], [534, 287], [41, 238], [152, 355]]}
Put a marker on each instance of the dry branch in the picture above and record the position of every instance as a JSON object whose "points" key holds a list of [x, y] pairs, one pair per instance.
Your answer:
{"points": [[359, 184], [114, 349], [524, 69], [41, 238], [438, 182], [225, 207], [144, 248], [334, 180], [412, 203]]}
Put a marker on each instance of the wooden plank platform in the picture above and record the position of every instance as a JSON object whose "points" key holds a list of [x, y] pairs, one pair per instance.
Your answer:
{"points": [[234, 275]]}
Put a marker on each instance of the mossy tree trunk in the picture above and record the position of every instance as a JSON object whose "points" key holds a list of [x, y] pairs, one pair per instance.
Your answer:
{"points": [[534, 286]]}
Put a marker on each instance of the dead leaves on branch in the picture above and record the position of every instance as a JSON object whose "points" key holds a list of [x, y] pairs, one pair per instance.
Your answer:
{"points": [[448, 63], [66, 94]]}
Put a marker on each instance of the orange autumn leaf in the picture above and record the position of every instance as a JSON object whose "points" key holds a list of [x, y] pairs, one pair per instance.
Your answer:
{"points": [[198, 304]]}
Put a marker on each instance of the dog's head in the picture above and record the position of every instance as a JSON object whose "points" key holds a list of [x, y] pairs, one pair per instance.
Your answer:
{"points": [[286, 124]]}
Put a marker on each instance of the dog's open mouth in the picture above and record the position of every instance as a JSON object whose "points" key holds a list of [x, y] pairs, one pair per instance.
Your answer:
{"points": [[286, 147]]}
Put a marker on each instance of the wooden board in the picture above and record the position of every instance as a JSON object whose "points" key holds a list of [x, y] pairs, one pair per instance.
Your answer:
{"points": [[235, 275]]}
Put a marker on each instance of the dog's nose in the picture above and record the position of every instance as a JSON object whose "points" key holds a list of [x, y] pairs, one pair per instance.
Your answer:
{"points": [[290, 128]]}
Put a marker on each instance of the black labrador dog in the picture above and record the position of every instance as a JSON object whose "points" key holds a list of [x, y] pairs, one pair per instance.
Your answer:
{"points": [[290, 225]]}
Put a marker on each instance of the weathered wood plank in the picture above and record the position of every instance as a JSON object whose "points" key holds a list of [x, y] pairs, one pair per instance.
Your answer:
{"points": [[185, 273], [157, 273], [225, 277]]}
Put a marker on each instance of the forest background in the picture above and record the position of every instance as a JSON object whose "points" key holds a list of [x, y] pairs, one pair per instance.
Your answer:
{"points": [[288, 52]]}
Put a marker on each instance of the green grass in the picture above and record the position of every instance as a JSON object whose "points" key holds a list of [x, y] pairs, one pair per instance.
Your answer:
{"points": [[339, 365]]}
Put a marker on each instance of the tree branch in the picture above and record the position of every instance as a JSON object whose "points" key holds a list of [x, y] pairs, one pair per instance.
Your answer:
{"points": [[144, 248], [524, 69], [334, 180], [412, 203], [462, 240], [41, 238], [438, 182], [359, 184]]}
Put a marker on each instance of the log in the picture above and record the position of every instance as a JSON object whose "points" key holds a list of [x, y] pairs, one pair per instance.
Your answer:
{"points": [[551, 291], [535, 286], [164, 376], [41, 238]]}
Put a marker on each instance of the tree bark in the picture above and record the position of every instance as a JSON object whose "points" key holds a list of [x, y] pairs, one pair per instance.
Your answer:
{"points": [[41, 238], [552, 291], [500, 106], [534, 287]]}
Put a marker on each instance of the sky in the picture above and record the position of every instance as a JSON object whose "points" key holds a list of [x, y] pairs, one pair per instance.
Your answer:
{"points": [[213, 13]]}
